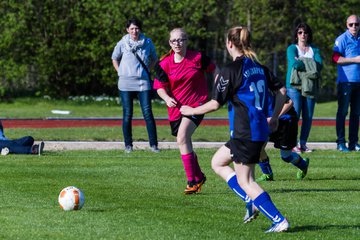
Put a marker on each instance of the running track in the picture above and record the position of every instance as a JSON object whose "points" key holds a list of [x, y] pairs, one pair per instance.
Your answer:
{"points": [[111, 122]]}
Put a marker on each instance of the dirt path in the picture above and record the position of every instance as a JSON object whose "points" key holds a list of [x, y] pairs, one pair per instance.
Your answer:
{"points": [[103, 122]]}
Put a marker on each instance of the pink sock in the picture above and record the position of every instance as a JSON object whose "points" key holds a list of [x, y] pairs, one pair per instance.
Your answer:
{"points": [[189, 166], [197, 170]]}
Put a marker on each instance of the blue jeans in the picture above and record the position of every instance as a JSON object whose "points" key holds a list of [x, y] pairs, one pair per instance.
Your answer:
{"points": [[348, 94], [18, 146], [304, 106], [127, 99]]}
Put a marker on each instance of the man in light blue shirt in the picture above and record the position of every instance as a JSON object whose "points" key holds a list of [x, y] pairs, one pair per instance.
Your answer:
{"points": [[346, 54]]}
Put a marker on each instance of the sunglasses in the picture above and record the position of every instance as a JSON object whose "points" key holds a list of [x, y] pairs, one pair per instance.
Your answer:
{"points": [[353, 24], [301, 32]]}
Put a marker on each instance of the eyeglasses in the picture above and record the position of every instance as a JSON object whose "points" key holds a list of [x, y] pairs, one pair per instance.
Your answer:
{"points": [[301, 32], [179, 41], [353, 24]]}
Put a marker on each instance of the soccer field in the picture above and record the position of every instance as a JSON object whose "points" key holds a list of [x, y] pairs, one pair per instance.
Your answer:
{"points": [[140, 196]]}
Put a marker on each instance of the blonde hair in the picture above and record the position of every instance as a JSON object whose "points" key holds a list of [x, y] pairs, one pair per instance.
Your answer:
{"points": [[183, 33], [240, 37]]}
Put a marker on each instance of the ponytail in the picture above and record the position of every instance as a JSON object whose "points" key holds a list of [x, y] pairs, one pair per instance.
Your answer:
{"points": [[240, 37], [166, 54]]}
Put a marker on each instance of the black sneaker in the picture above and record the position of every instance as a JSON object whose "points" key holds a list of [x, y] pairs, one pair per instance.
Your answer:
{"points": [[38, 148], [128, 149], [342, 147], [41, 148], [155, 149], [354, 147]]}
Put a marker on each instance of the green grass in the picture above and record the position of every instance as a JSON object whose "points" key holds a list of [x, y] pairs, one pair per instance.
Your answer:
{"points": [[139, 196], [41, 108], [218, 134]]}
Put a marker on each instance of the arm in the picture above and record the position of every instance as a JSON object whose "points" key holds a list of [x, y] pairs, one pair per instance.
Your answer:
{"points": [[286, 107], [339, 52], [210, 106], [213, 104], [292, 57], [170, 102], [116, 56], [317, 58], [280, 99], [115, 64], [339, 59], [153, 56]]}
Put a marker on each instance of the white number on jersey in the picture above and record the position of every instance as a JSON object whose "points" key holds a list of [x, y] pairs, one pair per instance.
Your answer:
{"points": [[258, 88]]}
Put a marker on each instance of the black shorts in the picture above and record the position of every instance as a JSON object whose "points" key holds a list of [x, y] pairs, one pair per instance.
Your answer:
{"points": [[244, 151], [176, 124], [285, 137]]}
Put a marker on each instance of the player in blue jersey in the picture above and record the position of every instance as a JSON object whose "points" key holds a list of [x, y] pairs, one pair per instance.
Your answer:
{"points": [[245, 85], [285, 139]]}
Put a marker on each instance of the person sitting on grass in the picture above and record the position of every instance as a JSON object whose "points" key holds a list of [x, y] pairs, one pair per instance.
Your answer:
{"points": [[285, 139], [24, 145]]}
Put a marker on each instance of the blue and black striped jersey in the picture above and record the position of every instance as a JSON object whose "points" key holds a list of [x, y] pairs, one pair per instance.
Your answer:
{"points": [[245, 85]]}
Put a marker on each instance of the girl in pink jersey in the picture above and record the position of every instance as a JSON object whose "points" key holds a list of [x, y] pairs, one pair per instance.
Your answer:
{"points": [[180, 80]]}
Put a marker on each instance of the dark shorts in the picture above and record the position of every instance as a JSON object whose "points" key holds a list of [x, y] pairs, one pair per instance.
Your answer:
{"points": [[176, 124], [285, 137], [244, 151]]}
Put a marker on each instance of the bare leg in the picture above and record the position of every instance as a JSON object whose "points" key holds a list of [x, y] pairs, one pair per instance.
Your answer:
{"points": [[245, 176], [186, 130], [221, 161]]}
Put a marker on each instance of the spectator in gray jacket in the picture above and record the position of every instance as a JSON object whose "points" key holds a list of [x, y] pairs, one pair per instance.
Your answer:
{"points": [[132, 58]]}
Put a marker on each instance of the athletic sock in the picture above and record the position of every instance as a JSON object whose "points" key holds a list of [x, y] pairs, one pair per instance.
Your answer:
{"points": [[187, 160], [296, 160], [266, 206], [265, 166], [299, 162], [199, 175], [235, 187]]}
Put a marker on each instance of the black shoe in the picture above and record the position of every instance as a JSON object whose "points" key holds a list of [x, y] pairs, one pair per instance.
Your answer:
{"points": [[354, 147], [155, 149], [38, 148]]}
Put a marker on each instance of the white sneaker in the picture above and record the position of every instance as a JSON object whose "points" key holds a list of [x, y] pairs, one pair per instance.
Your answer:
{"points": [[5, 151], [251, 213], [279, 227]]}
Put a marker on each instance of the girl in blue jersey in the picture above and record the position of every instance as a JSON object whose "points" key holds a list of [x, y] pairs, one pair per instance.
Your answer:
{"points": [[245, 85]]}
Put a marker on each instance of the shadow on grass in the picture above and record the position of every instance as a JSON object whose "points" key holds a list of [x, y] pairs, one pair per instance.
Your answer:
{"points": [[314, 190], [334, 178], [326, 227]]}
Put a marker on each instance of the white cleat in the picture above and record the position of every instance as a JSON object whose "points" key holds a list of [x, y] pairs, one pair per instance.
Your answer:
{"points": [[279, 227], [251, 213]]}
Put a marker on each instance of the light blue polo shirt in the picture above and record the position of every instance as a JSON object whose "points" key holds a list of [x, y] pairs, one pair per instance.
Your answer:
{"points": [[348, 46]]}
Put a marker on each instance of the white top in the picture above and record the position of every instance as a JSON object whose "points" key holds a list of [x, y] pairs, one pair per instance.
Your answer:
{"points": [[308, 54]]}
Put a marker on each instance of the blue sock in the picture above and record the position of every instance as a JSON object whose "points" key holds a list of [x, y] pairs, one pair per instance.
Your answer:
{"points": [[301, 164], [295, 160], [266, 206], [265, 166], [235, 187]]}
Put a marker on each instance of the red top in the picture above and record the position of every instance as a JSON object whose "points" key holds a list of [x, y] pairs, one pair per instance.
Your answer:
{"points": [[186, 81]]}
